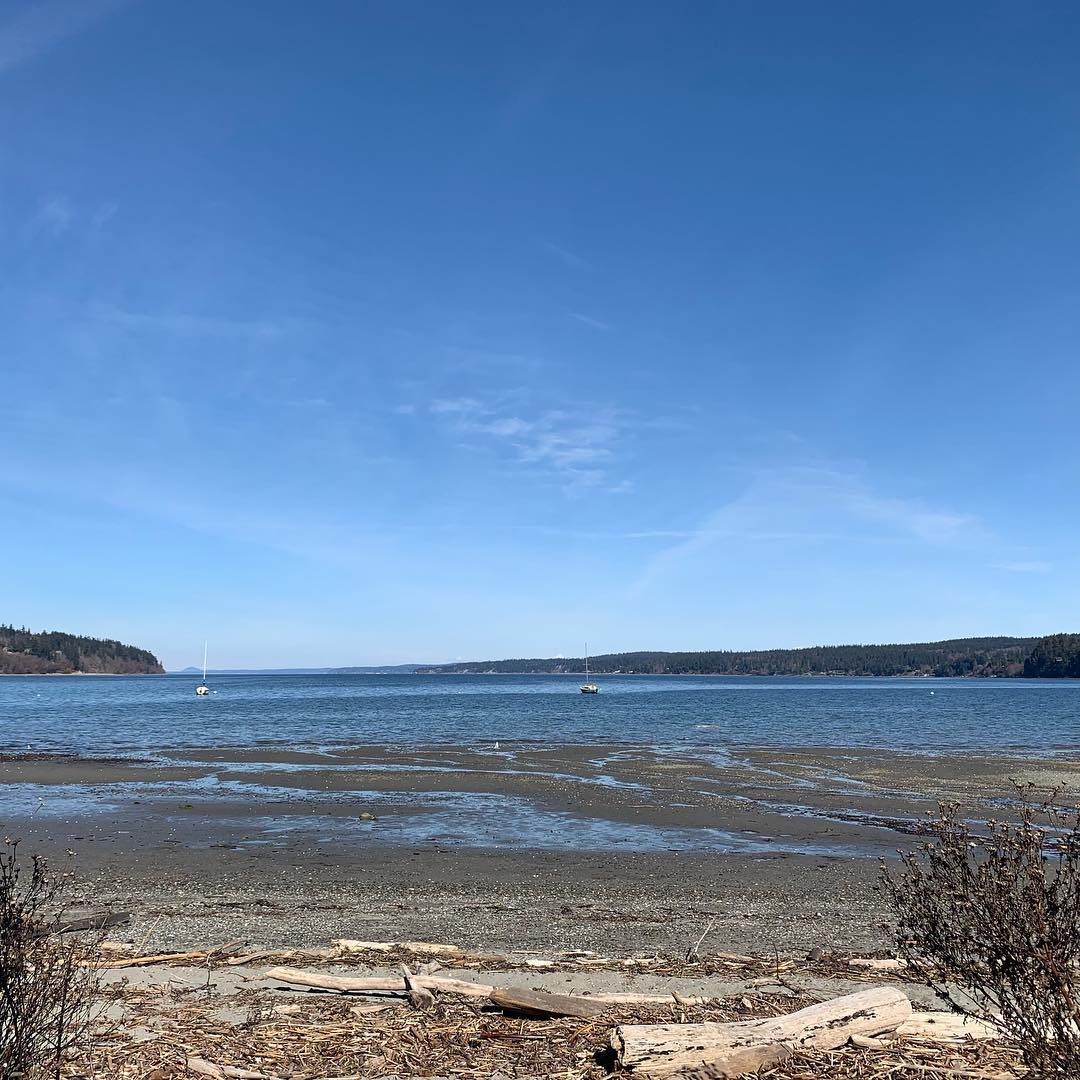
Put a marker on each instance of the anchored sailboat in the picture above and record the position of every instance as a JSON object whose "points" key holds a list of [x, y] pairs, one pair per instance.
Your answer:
{"points": [[588, 687], [202, 689]]}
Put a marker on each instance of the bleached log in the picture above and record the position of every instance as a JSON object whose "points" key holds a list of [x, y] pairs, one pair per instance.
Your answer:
{"points": [[426, 948], [872, 964], [945, 1025], [344, 984], [666, 1048], [750, 1059]]}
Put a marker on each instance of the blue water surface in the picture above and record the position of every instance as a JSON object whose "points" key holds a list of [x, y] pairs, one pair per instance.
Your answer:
{"points": [[140, 714]]}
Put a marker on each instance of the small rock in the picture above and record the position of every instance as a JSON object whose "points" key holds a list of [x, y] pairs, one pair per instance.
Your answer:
{"points": [[365, 816]]}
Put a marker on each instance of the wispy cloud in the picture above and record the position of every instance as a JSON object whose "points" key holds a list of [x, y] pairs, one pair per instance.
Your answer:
{"points": [[36, 28], [54, 216], [462, 406], [1032, 566], [188, 324], [102, 216], [588, 320], [57, 215], [816, 504], [579, 452], [567, 257]]}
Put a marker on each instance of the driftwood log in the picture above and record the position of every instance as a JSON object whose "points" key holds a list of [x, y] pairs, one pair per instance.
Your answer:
{"points": [[512, 998], [345, 984], [102, 920], [660, 1049], [538, 1003]]}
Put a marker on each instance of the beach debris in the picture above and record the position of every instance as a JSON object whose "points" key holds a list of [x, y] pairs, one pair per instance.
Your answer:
{"points": [[741, 1062], [663, 1049], [100, 920], [421, 948], [344, 984], [948, 1026], [202, 1067], [420, 997], [334, 1036], [874, 964], [167, 958], [540, 1003]]}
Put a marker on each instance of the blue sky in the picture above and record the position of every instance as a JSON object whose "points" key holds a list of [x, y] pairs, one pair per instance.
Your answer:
{"points": [[372, 332]]}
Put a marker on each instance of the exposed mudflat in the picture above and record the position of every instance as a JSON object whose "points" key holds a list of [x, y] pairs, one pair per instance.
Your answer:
{"points": [[611, 848]]}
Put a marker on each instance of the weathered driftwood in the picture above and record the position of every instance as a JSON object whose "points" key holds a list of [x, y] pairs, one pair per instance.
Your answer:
{"points": [[419, 996], [872, 964], [426, 948], [947, 1026], [102, 920], [157, 958], [166, 958], [538, 1003], [667, 1048], [345, 984], [740, 1063]]}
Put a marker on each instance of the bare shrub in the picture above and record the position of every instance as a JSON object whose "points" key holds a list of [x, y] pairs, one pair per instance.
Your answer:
{"points": [[46, 992], [991, 921]]}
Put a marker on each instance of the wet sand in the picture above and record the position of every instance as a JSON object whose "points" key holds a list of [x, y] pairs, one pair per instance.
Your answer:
{"points": [[611, 848]]}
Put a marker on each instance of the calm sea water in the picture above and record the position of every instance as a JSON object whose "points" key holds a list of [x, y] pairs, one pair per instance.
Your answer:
{"points": [[139, 714]]}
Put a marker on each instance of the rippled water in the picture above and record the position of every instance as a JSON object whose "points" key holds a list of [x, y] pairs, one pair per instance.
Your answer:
{"points": [[95, 715]]}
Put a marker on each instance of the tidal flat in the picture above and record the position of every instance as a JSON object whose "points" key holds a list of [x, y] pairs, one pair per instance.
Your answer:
{"points": [[616, 848]]}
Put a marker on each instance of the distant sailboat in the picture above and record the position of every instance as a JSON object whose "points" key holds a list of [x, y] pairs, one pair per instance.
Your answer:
{"points": [[202, 689], [588, 687]]}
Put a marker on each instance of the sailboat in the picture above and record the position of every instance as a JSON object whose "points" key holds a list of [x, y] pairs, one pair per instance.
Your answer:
{"points": [[588, 687], [202, 689]]}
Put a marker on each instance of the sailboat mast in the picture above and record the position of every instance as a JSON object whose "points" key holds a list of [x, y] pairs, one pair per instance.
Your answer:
{"points": [[204, 644], [586, 661]]}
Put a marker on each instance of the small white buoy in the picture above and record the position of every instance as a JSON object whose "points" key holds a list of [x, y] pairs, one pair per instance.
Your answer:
{"points": [[931, 693]]}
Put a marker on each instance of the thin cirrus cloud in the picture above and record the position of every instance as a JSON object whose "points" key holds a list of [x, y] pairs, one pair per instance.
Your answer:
{"points": [[1021, 566], [570, 259], [54, 216], [588, 320], [580, 454], [184, 323], [57, 215], [815, 504], [37, 28]]}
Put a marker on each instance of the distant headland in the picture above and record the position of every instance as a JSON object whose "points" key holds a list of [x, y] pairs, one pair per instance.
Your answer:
{"points": [[1055, 656], [23, 652]]}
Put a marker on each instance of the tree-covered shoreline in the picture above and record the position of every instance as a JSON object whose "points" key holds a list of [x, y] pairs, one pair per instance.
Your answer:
{"points": [[51, 652], [991, 657]]}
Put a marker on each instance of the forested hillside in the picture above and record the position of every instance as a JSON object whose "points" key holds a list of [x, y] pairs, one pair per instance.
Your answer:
{"points": [[1055, 657], [1000, 656], [53, 653]]}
